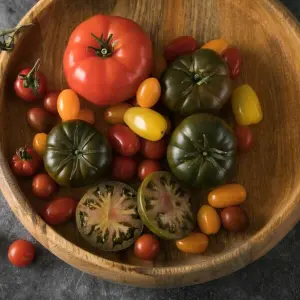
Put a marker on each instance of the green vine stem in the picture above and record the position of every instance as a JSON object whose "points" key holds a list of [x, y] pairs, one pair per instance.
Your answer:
{"points": [[7, 37]]}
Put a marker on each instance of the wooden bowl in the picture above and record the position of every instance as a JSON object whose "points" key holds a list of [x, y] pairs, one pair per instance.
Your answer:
{"points": [[269, 39]]}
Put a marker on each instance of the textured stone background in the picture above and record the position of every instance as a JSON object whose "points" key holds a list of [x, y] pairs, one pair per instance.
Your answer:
{"points": [[276, 276]]}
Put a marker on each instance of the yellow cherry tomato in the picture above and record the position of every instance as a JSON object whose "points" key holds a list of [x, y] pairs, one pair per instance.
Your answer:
{"points": [[195, 242], [87, 115], [246, 106], [227, 195], [146, 123], [115, 114], [218, 45], [39, 143], [159, 65], [148, 92], [68, 105], [208, 220]]}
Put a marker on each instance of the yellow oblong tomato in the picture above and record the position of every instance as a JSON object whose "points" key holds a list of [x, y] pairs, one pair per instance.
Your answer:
{"points": [[227, 195], [146, 123], [246, 106], [86, 115], [218, 45], [39, 143], [148, 92], [68, 105], [208, 220], [115, 114], [195, 242]]}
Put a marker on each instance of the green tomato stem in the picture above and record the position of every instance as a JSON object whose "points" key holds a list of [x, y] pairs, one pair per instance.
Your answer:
{"points": [[200, 79], [106, 46], [30, 80]]}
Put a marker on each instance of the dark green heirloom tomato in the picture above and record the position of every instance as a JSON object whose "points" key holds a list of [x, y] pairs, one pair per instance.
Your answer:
{"points": [[202, 151], [195, 83], [107, 216], [76, 154]]}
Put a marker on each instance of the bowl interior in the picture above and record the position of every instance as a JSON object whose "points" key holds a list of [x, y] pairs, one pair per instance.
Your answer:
{"points": [[268, 172]]}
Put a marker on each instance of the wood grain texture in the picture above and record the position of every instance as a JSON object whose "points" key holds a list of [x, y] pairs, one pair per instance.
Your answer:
{"points": [[269, 39]]}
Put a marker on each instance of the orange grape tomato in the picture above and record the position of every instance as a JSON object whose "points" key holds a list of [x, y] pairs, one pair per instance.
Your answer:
{"points": [[159, 65], [218, 45], [195, 242], [115, 114], [148, 92], [87, 115], [39, 143], [68, 105]]}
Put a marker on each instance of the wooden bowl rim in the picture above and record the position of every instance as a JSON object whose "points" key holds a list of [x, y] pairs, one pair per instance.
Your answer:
{"points": [[15, 197]]}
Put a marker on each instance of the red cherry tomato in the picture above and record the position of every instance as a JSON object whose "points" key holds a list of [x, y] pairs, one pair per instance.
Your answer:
{"points": [[180, 46], [60, 210], [25, 162], [123, 140], [233, 58], [50, 102], [21, 253], [154, 150], [146, 247], [244, 138], [31, 84], [147, 167], [43, 185], [123, 168]]}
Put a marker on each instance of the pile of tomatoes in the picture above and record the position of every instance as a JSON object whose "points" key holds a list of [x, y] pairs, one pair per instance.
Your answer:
{"points": [[141, 138]]}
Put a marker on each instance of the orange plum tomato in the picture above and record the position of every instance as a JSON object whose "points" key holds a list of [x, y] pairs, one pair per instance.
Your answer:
{"points": [[68, 105]]}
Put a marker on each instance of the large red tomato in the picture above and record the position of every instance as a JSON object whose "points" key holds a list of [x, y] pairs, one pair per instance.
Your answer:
{"points": [[107, 58]]}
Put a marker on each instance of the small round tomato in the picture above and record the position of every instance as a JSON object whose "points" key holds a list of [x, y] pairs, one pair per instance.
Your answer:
{"points": [[169, 125], [115, 114], [244, 137], [218, 45], [43, 185], [21, 253], [180, 46], [154, 150], [31, 84], [40, 120], [60, 210], [148, 92], [146, 247], [68, 105], [123, 140], [86, 115], [50, 102], [147, 167], [123, 168], [39, 143], [233, 58], [159, 65], [25, 162]]}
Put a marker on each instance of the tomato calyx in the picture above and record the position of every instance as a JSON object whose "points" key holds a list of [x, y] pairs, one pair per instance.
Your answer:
{"points": [[200, 78], [106, 46], [7, 41], [204, 152], [23, 153], [30, 81]]}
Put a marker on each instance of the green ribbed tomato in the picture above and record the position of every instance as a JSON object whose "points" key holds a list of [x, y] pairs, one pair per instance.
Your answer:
{"points": [[202, 151]]}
